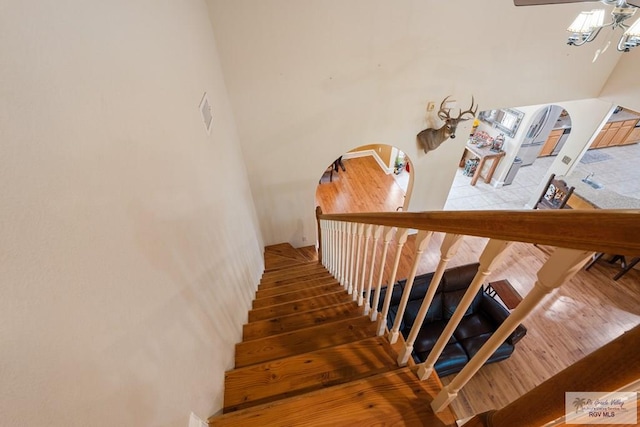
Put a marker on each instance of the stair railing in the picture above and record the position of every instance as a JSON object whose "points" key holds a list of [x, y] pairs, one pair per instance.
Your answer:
{"points": [[577, 235]]}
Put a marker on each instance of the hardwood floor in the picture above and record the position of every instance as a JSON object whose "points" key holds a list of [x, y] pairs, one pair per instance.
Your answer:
{"points": [[363, 187], [583, 315]]}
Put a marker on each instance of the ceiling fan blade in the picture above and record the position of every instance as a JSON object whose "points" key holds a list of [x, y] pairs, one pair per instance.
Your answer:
{"points": [[540, 2], [635, 3]]}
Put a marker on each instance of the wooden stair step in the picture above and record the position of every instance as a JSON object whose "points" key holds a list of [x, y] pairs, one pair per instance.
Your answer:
{"points": [[302, 373], [293, 274], [274, 262], [299, 306], [303, 341], [285, 250], [301, 294], [299, 266], [285, 281], [390, 399], [306, 284], [292, 322], [309, 252]]}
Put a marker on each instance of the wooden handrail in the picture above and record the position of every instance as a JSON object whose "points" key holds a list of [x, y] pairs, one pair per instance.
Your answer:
{"points": [[609, 368], [610, 231]]}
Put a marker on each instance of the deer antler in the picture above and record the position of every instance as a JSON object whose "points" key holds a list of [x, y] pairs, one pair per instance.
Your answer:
{"points": [[443, 114], [469, 111]]}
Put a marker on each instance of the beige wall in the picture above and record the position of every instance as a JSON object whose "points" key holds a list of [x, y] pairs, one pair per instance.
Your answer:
{"points": [[309, 80], [623, 87], [130, 246]]}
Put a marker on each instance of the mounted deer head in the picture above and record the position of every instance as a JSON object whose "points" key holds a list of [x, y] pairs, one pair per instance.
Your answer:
{"points": [[430, 139]]}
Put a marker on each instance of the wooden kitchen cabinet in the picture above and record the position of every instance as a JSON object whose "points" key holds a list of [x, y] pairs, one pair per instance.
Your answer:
{"points": [[633, 137], [614, 133], [551, 142]]}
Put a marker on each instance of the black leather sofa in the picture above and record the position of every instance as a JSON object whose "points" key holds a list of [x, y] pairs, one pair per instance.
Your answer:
{"points": [[482, 318]]}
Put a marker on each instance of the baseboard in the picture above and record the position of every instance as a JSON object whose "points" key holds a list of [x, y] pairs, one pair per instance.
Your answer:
{"points": [[365, 153]]}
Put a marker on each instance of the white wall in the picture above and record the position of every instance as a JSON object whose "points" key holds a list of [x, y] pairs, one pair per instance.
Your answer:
{"points": [[623, 87], [130, 245], [310, 80]]}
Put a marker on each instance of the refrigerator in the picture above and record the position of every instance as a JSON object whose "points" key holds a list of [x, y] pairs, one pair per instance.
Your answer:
{"points": [[539, 130]]}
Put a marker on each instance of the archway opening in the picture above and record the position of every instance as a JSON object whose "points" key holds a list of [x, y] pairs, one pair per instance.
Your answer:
{"points": [[369, 178]]}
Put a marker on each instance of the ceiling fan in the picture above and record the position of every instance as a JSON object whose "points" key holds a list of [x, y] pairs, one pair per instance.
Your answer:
{"points": [[587, 25]]}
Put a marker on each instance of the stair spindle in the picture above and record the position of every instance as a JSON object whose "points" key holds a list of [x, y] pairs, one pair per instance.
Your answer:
{"points": [[422, 240], [388, 234], [559, 268], [448, 249], [401, 236], [356, 267], [491, 255], [363, 269], [376, 238], [352, 257]]}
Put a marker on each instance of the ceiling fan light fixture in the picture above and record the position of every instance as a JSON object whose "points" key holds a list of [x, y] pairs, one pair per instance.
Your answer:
{"points": [[587, 25], [587, 21], [630, 38]]}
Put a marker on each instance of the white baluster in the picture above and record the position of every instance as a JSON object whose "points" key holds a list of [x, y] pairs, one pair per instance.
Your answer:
{"points": [[401, 236], [388, 235], [352, 257], [347, 256], [356, 266], [363, 267], [448, 249], [325, 242], [334, 248], [377, 232], [330, 246], [341, 258], [422, 240], [492, 254], [559, 268]]}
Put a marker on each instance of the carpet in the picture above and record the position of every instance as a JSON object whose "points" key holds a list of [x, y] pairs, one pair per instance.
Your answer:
{"points": [[594, 156]]}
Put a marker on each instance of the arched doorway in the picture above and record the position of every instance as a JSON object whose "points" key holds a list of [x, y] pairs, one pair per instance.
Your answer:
{"points": [[369, 178]]}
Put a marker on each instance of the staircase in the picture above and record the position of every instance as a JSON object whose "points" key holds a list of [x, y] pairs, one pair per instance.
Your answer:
{"points": [[309, 356]]}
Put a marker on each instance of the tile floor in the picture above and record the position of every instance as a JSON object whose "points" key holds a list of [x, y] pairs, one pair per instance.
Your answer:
{"points": [[620, 173]]}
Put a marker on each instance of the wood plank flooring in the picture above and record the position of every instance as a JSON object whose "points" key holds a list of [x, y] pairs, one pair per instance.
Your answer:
{"points": [[364, 187], [588, 312]]}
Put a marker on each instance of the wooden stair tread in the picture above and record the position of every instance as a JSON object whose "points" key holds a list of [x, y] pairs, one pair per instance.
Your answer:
{"points": [[299, 306], [303, 341], [278, 262], [309, 252], [292, 275], [299, 266], [292, 322], [390, 399], [285, 250], [301, 294], [302, 373], [269, 292]]}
